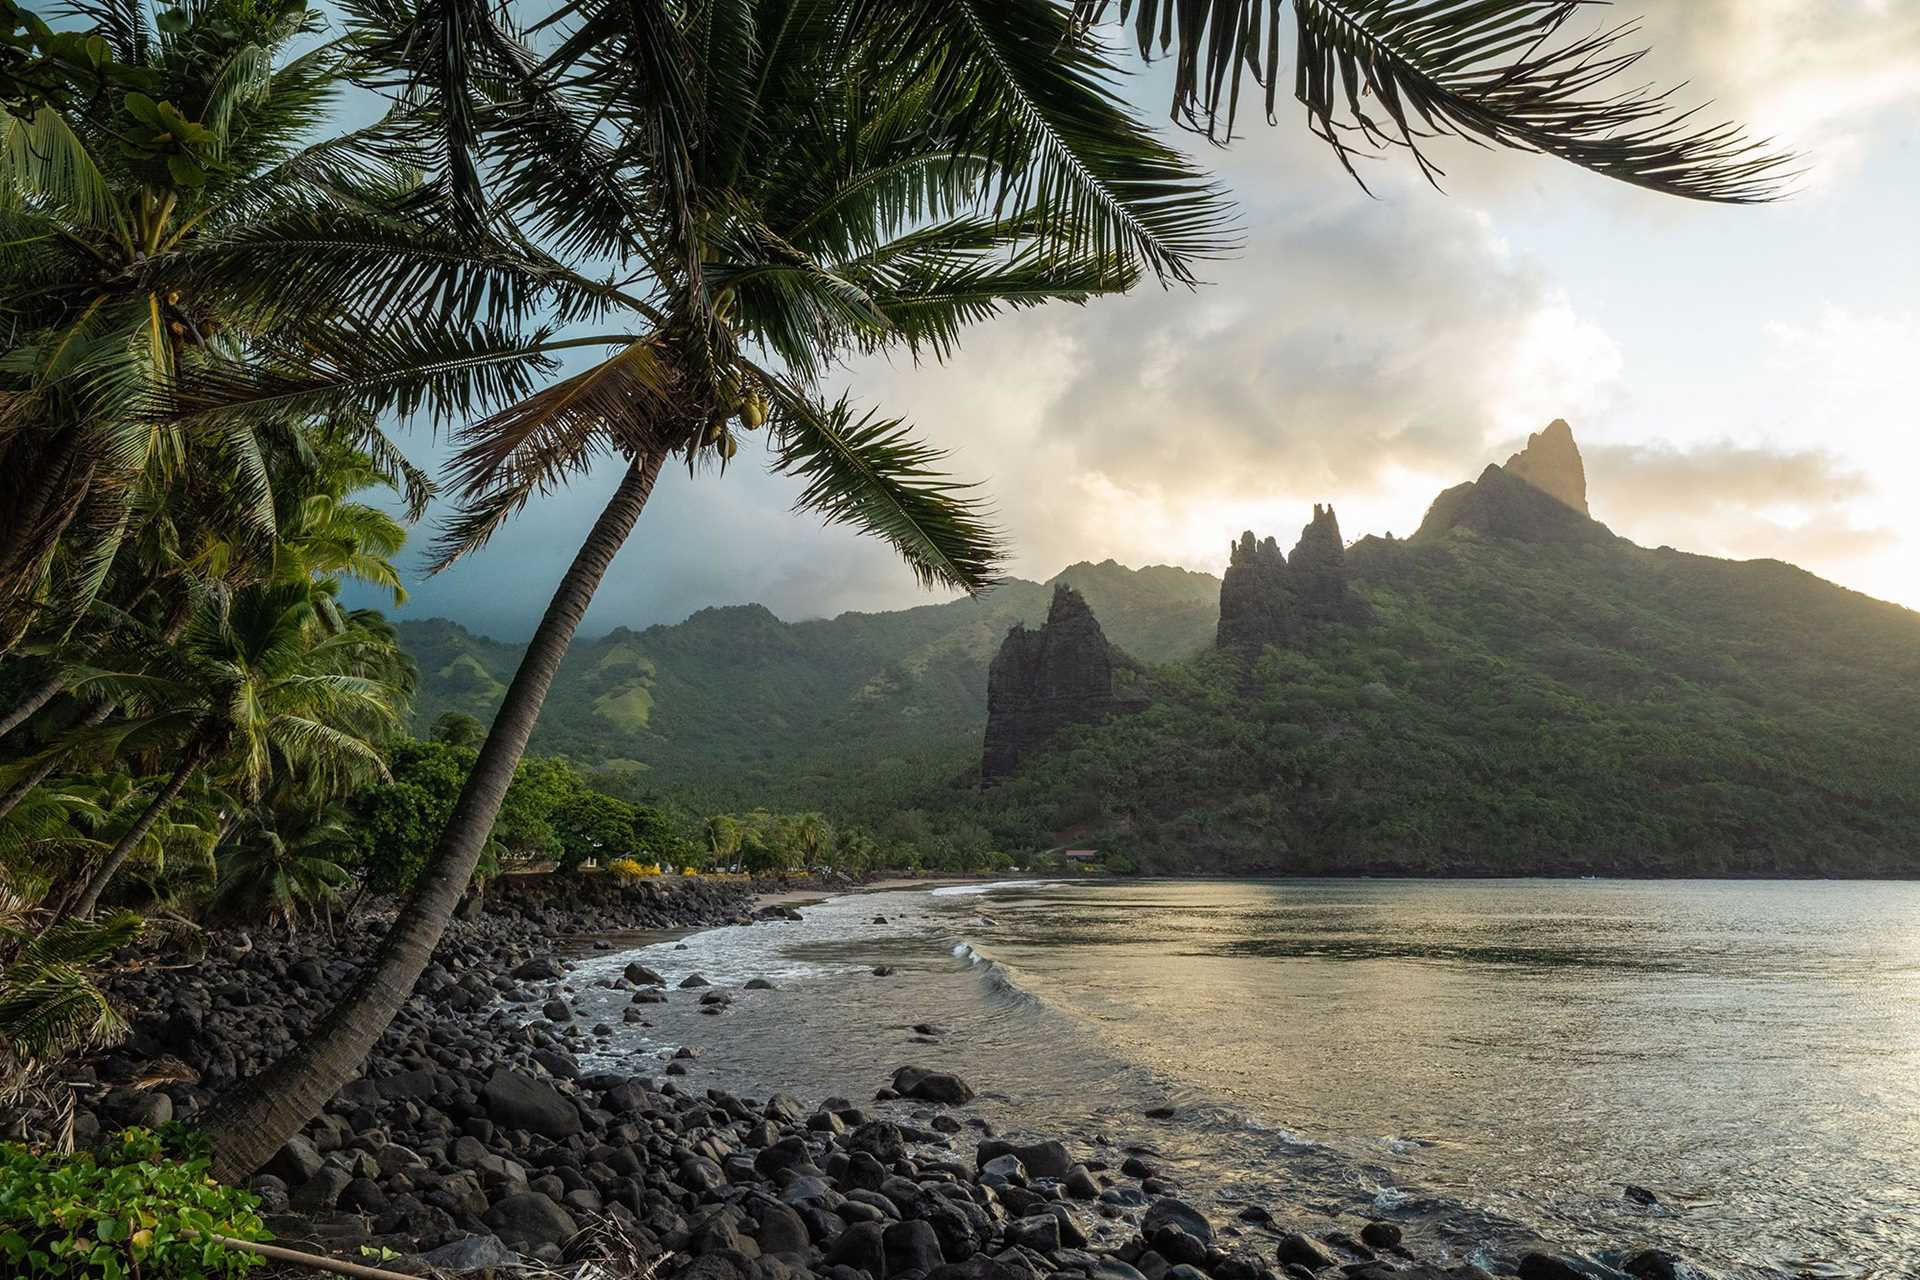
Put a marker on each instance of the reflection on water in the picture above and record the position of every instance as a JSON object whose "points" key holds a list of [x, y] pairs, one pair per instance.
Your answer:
{"points": [[1486, 1061]]}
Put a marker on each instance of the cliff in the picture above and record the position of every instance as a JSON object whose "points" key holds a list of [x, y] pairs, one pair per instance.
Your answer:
{"points": [[1502, 505], [1551, 463], [1321, 583], [1256, 608], [1267, 598], [1042, 681]]}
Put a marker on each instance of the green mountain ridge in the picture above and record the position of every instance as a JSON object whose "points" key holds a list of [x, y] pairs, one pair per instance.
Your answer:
{"points": [[1523, 691], [743, 708]]}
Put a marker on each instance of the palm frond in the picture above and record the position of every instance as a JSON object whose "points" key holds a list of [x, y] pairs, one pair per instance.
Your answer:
{"points": [[869, 472], [1011, 81], [621, 405], [46, 160], [1498, 72]]}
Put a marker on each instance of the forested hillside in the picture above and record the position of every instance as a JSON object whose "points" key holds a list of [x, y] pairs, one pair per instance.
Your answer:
{"points": [[743, 709], [1515, 688], [1520, 707]]}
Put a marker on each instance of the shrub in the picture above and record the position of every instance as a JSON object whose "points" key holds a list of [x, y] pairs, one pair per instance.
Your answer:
{"points": [[130, 1210], [634, 868]]}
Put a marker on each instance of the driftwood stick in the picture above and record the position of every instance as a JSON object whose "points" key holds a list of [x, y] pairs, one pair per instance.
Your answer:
{"points": [[312, 1261]]}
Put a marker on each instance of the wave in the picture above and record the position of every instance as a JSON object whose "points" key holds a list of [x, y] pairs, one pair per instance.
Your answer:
{"points": [[972, 890]]}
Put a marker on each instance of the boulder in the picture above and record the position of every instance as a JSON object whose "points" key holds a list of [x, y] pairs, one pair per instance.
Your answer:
{"points": [[1553, 1266], [516, 1100], [931, 1086], [1296, 1248], [529, 1219], [911, 1246], [1169, 1212], [474, 1253]]}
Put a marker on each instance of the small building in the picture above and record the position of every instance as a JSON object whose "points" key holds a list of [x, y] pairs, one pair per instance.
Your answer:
{"points": [[1082, 856]]}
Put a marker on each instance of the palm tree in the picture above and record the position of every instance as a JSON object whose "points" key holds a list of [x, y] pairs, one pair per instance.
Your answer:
{"points": [[835, 200], [180, 547], [255, 691], [781, 183], [285, 864], [139, 200]]}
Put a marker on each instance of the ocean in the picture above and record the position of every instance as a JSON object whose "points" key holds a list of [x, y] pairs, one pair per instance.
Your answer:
{"points": [[1491, 1064]]}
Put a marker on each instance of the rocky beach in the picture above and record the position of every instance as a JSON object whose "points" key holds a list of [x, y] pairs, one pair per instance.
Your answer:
{"points": [[480, 1139]]}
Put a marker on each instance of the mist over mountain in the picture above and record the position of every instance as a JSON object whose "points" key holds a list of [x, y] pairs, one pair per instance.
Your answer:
{"points": [[1514, 688]]}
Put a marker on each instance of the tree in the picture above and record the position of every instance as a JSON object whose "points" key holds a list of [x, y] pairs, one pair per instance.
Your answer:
{"points": [[458, 729], [283, 864], [937, 162], [177, 223], [254, 692], [593, 825]]}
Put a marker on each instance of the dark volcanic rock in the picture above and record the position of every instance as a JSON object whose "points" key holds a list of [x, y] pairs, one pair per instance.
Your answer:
{"points": [[1318, 573], [1551, 463], [530, 1218], [518, 1101], [931, 1086], [1502, 505], [1551, 1266], [1041, 681], [1169, 1212], [1269, 599], [1256, 606]]}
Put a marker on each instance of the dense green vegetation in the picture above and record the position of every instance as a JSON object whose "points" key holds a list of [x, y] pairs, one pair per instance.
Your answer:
{"points": [[1554, 703], [134, 1210], [744, 709]]}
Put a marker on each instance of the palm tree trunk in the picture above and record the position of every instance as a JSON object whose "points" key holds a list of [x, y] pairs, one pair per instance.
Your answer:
{"points": [[90, 896], [36, 698], [251, 1121], [95, 717]]}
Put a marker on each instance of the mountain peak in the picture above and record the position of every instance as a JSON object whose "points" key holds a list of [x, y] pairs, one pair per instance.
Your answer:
{"points": [[1551, 463]]}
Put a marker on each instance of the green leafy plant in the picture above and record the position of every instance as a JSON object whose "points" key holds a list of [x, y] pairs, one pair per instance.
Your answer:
{"points": [[131, 1210]]}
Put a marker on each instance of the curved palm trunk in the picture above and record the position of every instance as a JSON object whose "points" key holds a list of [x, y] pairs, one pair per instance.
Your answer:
{"points": [[251, 1121], [95, 717], [90, 896], [36, 698]]}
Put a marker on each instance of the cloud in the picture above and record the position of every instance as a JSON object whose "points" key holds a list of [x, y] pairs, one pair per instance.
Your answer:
{"points": [[1372, 351], [1736, 500], [1362, 351]]}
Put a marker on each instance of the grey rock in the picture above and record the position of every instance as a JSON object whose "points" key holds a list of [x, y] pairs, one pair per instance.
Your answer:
{"points": [[1168, 1211], [531, 1218], [474, 1253], [518, 1101]]}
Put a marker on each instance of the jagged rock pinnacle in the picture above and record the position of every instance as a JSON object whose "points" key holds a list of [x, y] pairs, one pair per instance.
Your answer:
{"points": [[1551, 463], [1041, 681]]}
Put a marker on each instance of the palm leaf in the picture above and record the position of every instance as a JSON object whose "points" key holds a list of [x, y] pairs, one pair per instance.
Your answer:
{"points": [[1500, 72], [1011, 82], [621, 405], [869, 472]]}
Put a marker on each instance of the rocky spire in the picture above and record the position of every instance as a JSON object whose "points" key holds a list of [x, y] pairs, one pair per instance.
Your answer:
{"points": [[1551, 463], [1255, 608], [1044, 680], [1318, 567]]}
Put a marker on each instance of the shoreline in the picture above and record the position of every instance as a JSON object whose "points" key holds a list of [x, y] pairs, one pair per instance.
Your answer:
{"points": [[475, 1135]]}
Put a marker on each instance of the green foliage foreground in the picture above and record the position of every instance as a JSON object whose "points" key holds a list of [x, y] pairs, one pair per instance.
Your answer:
{"points": [[131, 1210]]}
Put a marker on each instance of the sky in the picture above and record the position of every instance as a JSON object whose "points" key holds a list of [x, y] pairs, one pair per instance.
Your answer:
{"points": [[1740, 380]]}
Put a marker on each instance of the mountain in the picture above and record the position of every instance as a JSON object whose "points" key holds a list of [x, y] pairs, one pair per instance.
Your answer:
{"points": [[1513, 689], [742, 708], [1527, 692]]}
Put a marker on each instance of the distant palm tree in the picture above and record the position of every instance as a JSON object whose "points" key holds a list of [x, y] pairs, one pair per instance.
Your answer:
{"points": [[254, 691], [283, 864]]}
